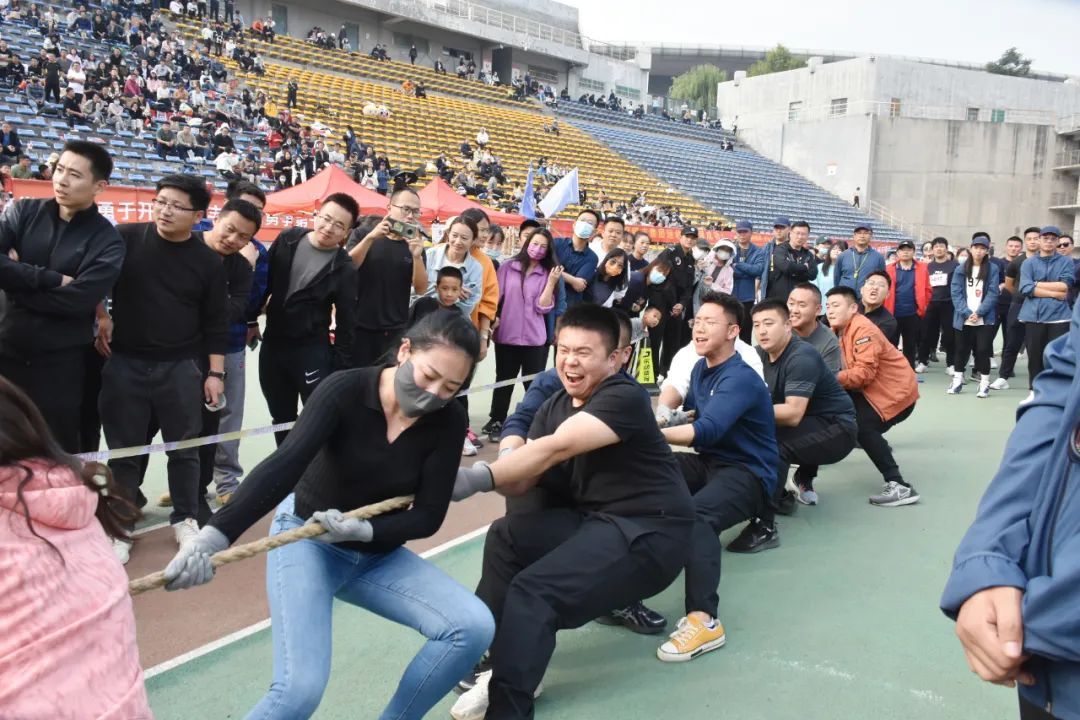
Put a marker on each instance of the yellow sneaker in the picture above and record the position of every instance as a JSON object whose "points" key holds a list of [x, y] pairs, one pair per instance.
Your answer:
{"points": [[692, 637], [165, 500]]}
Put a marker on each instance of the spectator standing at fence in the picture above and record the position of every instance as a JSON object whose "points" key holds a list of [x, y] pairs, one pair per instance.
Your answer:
{"points": [[791, 263], [939, 311], [857, 262], [909, 298], [58, 259], [1045, 282]]}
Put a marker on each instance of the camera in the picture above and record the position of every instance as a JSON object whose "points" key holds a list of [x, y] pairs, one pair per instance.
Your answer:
{"points": [[405, 230]]}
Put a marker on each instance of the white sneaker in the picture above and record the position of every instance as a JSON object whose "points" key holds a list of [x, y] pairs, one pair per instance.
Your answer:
{"points": [[468, 449], [473, 704], [920, 368], [984, 387], [957, 384], [122, 549], [993, 363], [186, 530], [1000, 384], [1029, 398]]}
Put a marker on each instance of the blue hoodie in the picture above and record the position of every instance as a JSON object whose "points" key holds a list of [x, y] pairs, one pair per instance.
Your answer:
{"points": [[1056, 268], [746, 271], [1026, 533], [987, 309]]}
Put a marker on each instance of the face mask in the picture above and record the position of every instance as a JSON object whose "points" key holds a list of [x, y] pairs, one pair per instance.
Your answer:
{"points": [[699, 253], [656, 277], [493, 254], [823, 251], [413, 400], [724, 255], [537, 252], [584, 229]]}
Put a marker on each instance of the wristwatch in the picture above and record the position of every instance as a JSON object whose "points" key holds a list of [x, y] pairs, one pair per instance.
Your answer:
{"points": [[216, 374]]}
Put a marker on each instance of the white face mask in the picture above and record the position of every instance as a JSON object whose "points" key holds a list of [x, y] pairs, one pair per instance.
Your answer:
{"points": [[723, 255], [584, 229], [699, 253]]}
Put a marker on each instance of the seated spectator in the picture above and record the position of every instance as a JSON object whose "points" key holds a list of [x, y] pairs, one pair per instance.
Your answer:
{"points": [[440, 68], [72, 108], [22, 170], [10, 144]]}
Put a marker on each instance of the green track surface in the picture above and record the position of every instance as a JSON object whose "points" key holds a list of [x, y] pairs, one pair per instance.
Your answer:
{"points": [[840, 622]]}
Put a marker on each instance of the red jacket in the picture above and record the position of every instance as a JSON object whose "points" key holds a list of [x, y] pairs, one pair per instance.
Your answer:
{"points": [[923, 291]]}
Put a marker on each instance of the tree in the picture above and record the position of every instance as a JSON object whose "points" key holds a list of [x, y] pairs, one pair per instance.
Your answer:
{"points": [[697, 86], [1011, 62], [778, 59]]}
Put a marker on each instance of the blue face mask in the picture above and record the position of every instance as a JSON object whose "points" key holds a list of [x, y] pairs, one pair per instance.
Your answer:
{"points": [[584, 229], [656, 277]]}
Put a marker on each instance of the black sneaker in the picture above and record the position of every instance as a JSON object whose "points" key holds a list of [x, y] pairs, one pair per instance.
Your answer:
{"points": [[786, 504], [493, 430], [469, 681], [755, 538], [636, 618]]}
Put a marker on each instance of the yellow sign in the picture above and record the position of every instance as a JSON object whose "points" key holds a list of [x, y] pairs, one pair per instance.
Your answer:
{"points": [[644, 373]]}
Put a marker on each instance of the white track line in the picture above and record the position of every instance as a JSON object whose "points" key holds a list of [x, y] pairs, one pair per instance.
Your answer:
{"points": [[264, 624]]}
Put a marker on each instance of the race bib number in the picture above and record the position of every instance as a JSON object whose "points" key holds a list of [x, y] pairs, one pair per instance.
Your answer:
{"points": [[938, 279]]}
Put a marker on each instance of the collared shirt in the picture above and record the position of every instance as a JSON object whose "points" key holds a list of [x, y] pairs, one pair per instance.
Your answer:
{"points": [[579, 263]]}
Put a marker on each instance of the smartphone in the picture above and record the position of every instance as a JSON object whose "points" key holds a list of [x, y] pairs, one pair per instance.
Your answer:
{"points": [[405, 230]]}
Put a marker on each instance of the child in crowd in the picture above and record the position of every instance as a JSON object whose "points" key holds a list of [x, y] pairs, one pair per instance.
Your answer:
{"points": [[447, 292]]}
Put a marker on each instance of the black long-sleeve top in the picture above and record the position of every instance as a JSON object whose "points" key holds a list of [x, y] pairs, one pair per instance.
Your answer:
{"points": [[337, 456], [170, 300], [41, 313], [238, 278]]}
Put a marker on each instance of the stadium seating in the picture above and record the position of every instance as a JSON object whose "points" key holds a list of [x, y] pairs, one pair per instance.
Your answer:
{"points": [[652, 123], [741, 184]]}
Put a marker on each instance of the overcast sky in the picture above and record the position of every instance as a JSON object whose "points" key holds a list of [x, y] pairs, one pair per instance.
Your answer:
{"points": [[968, 30]]}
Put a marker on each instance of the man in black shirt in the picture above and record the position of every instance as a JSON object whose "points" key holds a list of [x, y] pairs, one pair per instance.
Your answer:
{"points": [[624, 538], [815, 418], [683, 270], [311, 283], [389, 269], [874, 291], [58, 259], [791, 263], [52, 79], [1014, 329], [73, 108], [1014, 248], [165, 343], [939, 313]]}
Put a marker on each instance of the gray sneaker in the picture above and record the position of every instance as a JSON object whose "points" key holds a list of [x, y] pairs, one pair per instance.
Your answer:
{"points": [[894, 495]]}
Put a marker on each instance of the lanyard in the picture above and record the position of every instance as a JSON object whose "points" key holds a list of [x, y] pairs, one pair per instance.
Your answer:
{"points": [[859, 266]]}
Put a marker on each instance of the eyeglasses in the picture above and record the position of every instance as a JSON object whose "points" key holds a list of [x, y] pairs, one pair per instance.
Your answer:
{"points": [[1064, 246], [170, 206], [335, 224], [709, 324], [407, 210], [879, 286]]}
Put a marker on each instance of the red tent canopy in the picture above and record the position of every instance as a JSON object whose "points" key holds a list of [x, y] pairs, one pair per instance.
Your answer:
{"points": [[332, 179], [439, 202]]}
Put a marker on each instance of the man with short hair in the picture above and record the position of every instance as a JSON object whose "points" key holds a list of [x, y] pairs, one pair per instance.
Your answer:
{"points": [[1065, 246], [1045, 281], [22, 169], [10, 144], [747, 266], [1014, 246], [611, 235], [682, 277], [937, 321], [882, 386], [389, 269], [165, 140], [781, 231], [165, 344], [1015, 331], [311, 283], [857, 263], [804, 308], [791, 263], [874, 292], [623, 537], [577, 258], [815, 418], [58, 259], [909, 298]]}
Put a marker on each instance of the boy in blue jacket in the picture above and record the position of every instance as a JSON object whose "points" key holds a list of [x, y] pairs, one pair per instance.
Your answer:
{"points": [[1016, 576]]}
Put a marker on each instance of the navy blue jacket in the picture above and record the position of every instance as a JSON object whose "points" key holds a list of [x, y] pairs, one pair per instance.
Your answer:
{"points": [[1026, 533], [987, 309], [852, 273], [747, 271], [1056, 268]]}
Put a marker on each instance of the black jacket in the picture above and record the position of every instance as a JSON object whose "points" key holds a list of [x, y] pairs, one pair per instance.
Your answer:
{"points": [[305, 317], [789, 267], [683, 270], [37, 313]]}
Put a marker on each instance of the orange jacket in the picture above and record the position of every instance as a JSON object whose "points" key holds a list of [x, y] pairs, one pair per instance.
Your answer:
{"points": [[489, 299], [923, 291], [874, 367]]}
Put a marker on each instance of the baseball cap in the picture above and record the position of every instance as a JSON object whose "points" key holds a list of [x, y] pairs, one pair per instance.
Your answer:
{"points": [[980, 233], [1051, 230], [781, 222], [980, 239], [689, 231], [703, 244], [905, 244], [744, 225], [863, 226]]}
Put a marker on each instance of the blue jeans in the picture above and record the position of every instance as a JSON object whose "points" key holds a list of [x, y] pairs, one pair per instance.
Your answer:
{"points": [[302, 580]]}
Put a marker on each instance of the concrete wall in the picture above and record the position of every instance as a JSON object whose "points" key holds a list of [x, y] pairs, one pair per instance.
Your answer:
{"points": [[833, 153]]}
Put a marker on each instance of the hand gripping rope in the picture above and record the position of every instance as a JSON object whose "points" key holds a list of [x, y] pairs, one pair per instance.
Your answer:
{"points": [[251, 549]]}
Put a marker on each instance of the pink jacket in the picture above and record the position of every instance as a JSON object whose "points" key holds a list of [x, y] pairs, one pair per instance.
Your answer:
{"points": [[67, 630]]}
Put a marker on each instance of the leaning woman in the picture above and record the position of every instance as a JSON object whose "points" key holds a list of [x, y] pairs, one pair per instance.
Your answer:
{"points": [[366, 435]]}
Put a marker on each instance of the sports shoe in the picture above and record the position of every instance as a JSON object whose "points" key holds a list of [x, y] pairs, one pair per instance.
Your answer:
{"points": [[468, 449], [894, 495], [471, 436], [957, 384], [1029, 398], [984, 387], [920, 368], [786, 504], [807, 496], [122, 549], [473, 705], [636, 618], [186, 530], [493, 430], [1000, 384], [755, 537], [165, 500], [693, 637], [469, 681]]}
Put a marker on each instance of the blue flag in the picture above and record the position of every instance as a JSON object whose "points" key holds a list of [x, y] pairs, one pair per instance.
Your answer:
{"points": [[528, 201]]}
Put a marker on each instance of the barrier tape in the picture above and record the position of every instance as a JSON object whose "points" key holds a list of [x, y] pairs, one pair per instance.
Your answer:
{"points": [[137, 450]]}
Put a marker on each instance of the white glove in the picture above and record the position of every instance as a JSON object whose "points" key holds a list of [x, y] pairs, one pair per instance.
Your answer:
{"points": [[340, 528], [191, 566], [663, 415], [472, 480]]}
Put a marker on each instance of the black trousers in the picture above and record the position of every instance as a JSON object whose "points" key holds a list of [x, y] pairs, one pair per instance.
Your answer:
{"points": [[1037, 337], [134, 391], [871, 435], [814, 442], [54, 382], [52, 90], [559, 569], [724, 496], [910, 329], [1030, 711], [676, 332], [89, 417], [656, 345], [978, 339], [510, 360], [746, 327], [374, 347], [288, 374], [937, 323], [1015, 334], [1002, 323]]}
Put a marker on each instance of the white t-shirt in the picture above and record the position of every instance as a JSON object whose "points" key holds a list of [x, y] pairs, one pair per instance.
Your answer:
{"points": [[683, 363], [974, 297]]}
